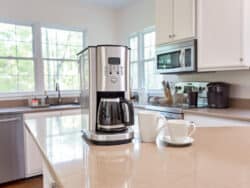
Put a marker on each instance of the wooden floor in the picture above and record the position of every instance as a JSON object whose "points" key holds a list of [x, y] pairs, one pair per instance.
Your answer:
{"points": [[29, 183]]}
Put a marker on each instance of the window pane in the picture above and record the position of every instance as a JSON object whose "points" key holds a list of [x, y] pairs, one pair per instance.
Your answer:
{"points": [[149, 45], [15, 40], [63, 72], [16, 75], [152, 80], [133, 44], [134, 76], [61, 44]]}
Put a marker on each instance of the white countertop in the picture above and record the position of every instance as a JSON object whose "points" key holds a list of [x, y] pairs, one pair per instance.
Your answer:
{"points": [[218, 158]]}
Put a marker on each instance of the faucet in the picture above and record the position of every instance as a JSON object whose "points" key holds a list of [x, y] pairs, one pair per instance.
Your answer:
{"points": [[59, 98]]}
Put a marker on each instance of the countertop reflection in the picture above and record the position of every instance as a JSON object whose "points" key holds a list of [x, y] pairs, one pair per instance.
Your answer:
{"points": [[220, 157]]}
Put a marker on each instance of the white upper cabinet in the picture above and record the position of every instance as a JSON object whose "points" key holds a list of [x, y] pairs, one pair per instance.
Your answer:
{"points": [[175, 20], [184, 19], [164, 21], [222, 35]]}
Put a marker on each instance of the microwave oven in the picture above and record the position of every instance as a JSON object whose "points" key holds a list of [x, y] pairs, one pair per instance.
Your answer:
{"points": [[178, 57]]}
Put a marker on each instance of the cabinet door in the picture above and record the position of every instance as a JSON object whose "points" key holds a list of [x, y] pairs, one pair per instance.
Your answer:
{"points": [[220, 35], [164, 21], [184, 19], [33, 157]]}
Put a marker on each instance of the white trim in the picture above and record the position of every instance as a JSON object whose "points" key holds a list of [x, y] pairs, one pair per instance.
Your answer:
{"points": [[56, 59], [39, 78], [17, 58]]}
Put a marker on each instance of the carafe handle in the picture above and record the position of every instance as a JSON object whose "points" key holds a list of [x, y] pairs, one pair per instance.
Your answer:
{"points": [[128, 112]]}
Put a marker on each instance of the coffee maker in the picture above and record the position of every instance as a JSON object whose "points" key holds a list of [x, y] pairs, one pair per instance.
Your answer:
{"points": [[105, 94]]}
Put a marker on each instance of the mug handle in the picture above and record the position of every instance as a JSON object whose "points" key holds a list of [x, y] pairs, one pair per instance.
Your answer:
{"points": [[193, 125], [161, 117]]}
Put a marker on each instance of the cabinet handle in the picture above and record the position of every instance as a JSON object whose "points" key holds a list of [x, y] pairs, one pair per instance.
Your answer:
{"points": [[173, 35], [9, 120], [170, 36], [241, 59]]}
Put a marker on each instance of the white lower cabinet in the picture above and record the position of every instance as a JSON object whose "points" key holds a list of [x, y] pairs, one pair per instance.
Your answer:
{"points": [[33, 158], [33, 162], [209, 121]]}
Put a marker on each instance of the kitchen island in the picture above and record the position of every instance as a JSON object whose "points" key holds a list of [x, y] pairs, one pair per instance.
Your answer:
{"points": [[219, 157]]}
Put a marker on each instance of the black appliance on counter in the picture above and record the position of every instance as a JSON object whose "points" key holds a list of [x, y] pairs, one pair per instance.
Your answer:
{"points": [[218, 95]]}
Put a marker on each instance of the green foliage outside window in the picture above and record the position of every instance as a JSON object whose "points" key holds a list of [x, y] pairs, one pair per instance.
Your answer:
{"points": [[16, 58]]}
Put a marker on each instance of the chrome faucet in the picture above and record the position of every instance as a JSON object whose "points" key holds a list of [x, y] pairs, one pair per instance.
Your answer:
{"points": [[59, 97]]}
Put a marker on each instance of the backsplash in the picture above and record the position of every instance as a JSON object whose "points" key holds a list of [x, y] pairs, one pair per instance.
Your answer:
{"points": [[24, 102], [239, 80]]}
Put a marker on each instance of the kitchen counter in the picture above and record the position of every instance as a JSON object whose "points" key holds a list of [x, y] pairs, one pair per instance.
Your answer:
{"points": [[26, 109], [240, 114], [219, 157], [228, 113]]}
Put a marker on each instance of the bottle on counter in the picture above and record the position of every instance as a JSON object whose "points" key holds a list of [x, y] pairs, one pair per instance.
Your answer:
{"points": [[46, 97]]}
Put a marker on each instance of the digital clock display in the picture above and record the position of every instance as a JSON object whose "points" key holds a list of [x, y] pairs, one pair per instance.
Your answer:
{"points": [[114, 61]]}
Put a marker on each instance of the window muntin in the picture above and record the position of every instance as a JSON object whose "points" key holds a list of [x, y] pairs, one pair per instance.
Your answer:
{"points": [[59, 49], [16, 59]]}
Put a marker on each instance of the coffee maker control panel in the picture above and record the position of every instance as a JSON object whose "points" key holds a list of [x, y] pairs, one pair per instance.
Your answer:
{"points": [[111, 69]]}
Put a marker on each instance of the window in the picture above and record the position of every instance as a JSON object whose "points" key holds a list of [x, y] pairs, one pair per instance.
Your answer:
{"points": [[133, 43], [152, 80], [143, 61], [59, 49], [34, 59], [16, 59]]}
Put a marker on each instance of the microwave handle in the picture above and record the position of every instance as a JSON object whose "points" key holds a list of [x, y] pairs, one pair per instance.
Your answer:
{"points": [[182, 58]]}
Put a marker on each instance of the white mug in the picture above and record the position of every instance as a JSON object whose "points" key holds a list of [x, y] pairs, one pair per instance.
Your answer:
{"points": [[180, 129], [149, 125]]}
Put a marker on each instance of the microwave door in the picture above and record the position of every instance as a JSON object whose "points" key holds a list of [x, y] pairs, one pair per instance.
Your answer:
{"points": [[169, 61], [182, 59]]}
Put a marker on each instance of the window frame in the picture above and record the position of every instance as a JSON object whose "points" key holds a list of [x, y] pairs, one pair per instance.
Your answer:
{"points": [[138, 57], [64, 92], [24, 93], [142, 60], [39, 83]]}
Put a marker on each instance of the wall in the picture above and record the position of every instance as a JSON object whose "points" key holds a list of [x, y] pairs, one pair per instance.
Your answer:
{"points": [[141, 14], [99, 21], [135, 17]]}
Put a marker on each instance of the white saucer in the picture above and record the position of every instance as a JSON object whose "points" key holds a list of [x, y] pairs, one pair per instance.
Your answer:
{"points": [[184, 142]]}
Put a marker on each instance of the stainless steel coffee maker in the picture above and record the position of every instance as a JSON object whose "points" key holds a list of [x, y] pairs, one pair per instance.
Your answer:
{"points": [[105, 94]]}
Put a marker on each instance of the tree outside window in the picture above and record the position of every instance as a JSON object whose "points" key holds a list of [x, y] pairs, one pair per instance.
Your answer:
{"points": [[16, 59], [59, 49]]}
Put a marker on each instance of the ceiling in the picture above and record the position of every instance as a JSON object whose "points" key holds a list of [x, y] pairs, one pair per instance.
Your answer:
{"points": [[109, 3]]}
